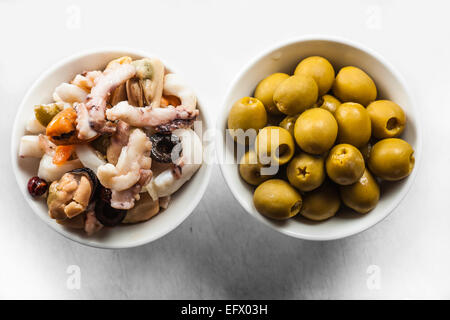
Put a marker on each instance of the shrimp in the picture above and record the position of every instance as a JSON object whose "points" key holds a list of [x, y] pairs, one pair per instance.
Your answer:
{"points": [[169, 181]]}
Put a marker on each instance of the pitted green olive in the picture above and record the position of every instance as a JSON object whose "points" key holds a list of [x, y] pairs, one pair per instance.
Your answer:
{"points": [[296, 94], [288, 123], [322, 203], [265, 89], [388, 119], [354, 85], [246, 113], [345, 164], [276, 199], [392, 159], [316, 130], [320, 69], [250, 169], [354, 126], [306, 172], [328, 102], [363, 195], [275, 144]]}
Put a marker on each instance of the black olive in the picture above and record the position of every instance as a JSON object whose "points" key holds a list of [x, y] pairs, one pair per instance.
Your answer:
{"points": [[107, 215], [162, 147], [37, 186]]}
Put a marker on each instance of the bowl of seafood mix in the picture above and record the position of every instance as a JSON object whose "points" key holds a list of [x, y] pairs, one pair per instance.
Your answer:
{"points": [[320, 138], [106, 151]]}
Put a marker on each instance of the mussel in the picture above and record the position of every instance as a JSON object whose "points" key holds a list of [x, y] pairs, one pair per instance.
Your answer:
{"points": [[71, 195]]}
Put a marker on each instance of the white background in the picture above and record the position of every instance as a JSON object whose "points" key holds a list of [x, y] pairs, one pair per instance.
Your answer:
{"points": [[220, 251]]}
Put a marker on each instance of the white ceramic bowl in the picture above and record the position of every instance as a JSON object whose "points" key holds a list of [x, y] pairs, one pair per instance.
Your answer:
{"points": [[183, 201], [340, 52]]}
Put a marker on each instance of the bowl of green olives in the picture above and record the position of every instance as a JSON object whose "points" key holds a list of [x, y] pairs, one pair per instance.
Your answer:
{"points": [[320, 138]]}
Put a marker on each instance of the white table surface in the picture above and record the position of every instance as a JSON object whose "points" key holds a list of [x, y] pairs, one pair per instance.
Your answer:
{"points": [[220, 251]]}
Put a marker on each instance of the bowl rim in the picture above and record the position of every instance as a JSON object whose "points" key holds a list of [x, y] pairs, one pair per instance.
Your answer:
{"points": [[328, 38], [67, 233]]}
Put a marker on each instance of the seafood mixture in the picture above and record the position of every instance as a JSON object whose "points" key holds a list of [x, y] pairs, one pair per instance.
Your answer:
{"points": [[114, 145]]}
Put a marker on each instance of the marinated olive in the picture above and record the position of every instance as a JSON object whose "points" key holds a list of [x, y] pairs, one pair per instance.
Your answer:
{"points": [[322, 203], [44, 113], [107, 215], [296, 94], [316, 130], [265, 89], [288, 123], [388, 119], [166, 148], [274, 144], [363, 195], [250, 169], [354, 85], [247, 113], [391, 159], [345, 164], [306, 172], [276, 199], [328, 102], [354, 126], [37, 186], [320, 69]]}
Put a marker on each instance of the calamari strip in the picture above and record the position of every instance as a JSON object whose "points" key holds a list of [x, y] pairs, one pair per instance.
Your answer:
{"points": [[96, 100], [133, 158], [149, 116]]}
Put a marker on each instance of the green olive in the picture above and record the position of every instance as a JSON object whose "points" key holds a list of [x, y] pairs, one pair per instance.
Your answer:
{"points": [[345, 164], [265, 89], [363, 195], [246, 113], [328, 102], [277, 199], [296, 94], [388, 119], [275, 144], [288, 123], [320, 69], [354, 85], [354, 126], [44, 113], [315, 130], [322, 203], [250, 169], [306, 172], [391, 159]]}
